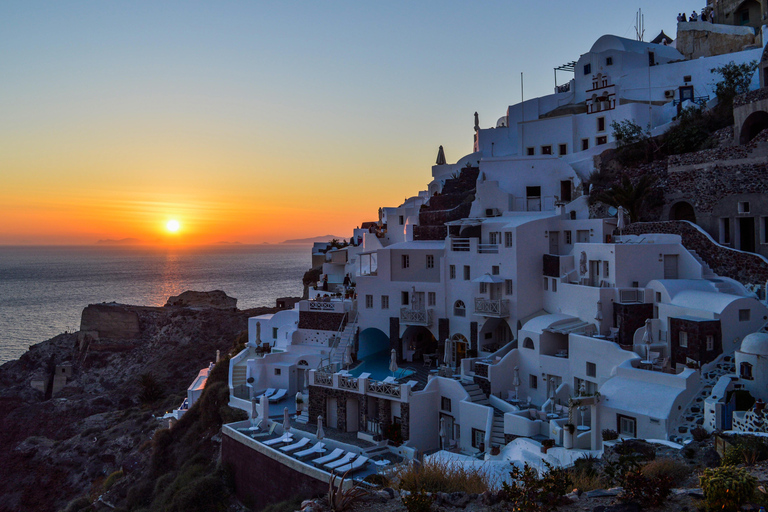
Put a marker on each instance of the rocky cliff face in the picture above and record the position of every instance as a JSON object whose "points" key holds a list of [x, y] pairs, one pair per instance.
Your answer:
{"points": [[215, 299], [58, 448]]}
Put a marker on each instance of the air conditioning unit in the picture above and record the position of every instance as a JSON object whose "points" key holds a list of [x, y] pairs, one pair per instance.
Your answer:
{"points": [[669, 93], [492, 212]]}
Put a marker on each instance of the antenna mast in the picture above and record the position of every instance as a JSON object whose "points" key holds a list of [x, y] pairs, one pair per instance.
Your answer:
{"points": [[640, 25]]}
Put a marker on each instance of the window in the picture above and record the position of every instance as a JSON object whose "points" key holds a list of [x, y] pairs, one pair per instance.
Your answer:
{"points": [[431, 298], [651, 59], [587, 68], [606, 267], [445, 403], [494, 237], [601, 140], [562, 149], [745, 371], [533, 381], [686, 78], [584, 144], [626, 425], [530, 151], [274, 333], [277, 371], [710, 342], [744, 315], [554, 285], [404, 299], [466, 272], [495, 270], [546, 284], [658, 296], [764, 230], [682, 340], [546, 150], [452, 271], [528, 343], [459, 309], [405, 260], [483, 287], [609, 61], [601, 124], [591, 369], [369, 301], [385, 302], [743, 206], [508, 239], [508, 286], [478, 438], [430, 261], [725, 231], [568, 240], [402, 220]]}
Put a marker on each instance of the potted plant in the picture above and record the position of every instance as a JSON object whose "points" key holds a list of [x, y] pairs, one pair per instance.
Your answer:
{"points": [[547, 444]]}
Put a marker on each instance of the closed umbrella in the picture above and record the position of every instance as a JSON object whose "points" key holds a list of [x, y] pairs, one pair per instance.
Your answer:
{"points": [[648, 339], [516, 382], [599, 315], [264, 412], [447, 353], [393, 362], [348, 356], [443, 433], [552, 395], [254, 412], [620, 224], [320, 433], [286, 421], [306, 379]]}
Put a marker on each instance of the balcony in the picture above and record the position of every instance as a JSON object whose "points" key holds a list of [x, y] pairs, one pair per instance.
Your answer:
{"points": [[410, 316], [498, 308]]}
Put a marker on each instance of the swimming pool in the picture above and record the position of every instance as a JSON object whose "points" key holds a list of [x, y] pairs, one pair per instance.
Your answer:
{"points": [[377, 365]]}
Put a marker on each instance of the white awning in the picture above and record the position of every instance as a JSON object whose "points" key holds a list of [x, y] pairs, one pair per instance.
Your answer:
{"points": [[488, 278], [568, 327]]}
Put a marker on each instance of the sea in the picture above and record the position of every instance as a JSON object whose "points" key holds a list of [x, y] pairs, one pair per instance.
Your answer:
{"points": [[43, 289]]}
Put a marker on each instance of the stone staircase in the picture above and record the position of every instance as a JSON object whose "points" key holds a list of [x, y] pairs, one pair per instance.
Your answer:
{"points": [[706, 270], [476, 394], [347, 338], [239, 372], [693, 416], [497, 432]]}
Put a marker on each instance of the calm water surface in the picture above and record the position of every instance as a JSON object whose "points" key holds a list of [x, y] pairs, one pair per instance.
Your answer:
{"points": [[43, 290]]}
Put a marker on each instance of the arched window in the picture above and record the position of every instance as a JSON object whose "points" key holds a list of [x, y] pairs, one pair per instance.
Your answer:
{"points": [[459, 309], [528, 343], [303, 362]]}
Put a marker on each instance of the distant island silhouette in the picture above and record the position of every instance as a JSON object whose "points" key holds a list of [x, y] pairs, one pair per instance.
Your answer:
{"points": [[325, 238], [122, 241]]}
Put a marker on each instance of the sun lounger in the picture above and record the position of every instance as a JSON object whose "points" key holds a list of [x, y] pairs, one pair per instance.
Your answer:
{"points": [[279, 395], [285, 438], [304, 441], [271, 431], [269, 392], [346, 459], [335, 454], [356, 465], [315, 450]]}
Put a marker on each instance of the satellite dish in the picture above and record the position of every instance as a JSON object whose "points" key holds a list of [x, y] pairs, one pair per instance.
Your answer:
{"points": [[612, 211]]}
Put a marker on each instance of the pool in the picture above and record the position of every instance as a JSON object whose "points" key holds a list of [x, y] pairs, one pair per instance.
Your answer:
{"points": [[377, 364]]}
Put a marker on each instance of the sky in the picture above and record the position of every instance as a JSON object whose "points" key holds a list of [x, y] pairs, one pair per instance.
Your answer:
{"points": [[256, 121]]}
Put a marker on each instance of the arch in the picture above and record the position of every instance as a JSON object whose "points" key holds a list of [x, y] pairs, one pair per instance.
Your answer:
{"points": [[528, 343], [303, 363], [753, 125], [459, 308], [418, 340], [371, 341], [747, 13], [682, 211], [459, 347], [494, 334]]}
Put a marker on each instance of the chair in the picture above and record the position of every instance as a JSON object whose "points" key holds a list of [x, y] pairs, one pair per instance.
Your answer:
{"points": [[270, 432], [285, 438], [316, 449], [335, 454], [304, 441], [346, 459], [427, 360], [269, 392], [353, 466], [660, 363], [279, 395], [614, 333]]}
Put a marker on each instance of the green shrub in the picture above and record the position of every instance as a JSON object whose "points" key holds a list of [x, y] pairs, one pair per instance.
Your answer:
{"points": [[111, 479], [746, 450], [610, 435], [442, 476], [150, 388], [671, 468], [530, 493], [417, 502], [204, 494], [644, 490], [726, 488]]}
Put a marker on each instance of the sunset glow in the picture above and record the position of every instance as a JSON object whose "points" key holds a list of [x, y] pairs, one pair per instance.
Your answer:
{"points": [[172, 226]]}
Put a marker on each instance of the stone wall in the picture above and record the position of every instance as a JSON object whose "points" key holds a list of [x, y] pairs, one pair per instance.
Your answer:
{"points": [[110, 322], [743, 267], [697, 340], [699, 39], [321, 321], [629, 318]]}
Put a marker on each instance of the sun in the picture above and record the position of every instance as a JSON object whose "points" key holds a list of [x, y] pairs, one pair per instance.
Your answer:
{"points": [[172, 226]]}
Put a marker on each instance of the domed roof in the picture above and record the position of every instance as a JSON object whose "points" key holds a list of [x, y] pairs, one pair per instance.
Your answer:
{"points": [[755, 343]]}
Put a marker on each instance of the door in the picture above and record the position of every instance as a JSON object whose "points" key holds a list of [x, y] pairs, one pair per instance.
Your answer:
{"points": [[461, 352], [670, 266], [594, 273], [495, 291], [448, 423], [565, 191], [353, 410], [747, 234], [418, 301], [332, 413], [554, 242]]}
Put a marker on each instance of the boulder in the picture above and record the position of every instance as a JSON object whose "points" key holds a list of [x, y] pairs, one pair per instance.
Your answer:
{"points": [[216, 299]]}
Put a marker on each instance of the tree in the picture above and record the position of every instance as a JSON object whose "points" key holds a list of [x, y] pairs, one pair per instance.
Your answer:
{"points": [[736, 79], [631, 196]]}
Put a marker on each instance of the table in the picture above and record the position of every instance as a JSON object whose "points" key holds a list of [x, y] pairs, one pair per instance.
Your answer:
{"points": [[552, 416], [646, 362], [582, 428]]}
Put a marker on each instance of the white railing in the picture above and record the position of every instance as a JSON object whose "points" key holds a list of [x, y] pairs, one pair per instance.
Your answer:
{"points": [[384, 388], [315, 305], [416, 316], [346, 382], [460, 244], [488, 248], [323, 379], [486, 307]]}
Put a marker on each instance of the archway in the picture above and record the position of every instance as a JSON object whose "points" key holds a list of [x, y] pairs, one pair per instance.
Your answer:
{"points": [[747, 13], [494, 334], [459, 348], [417, 341], [682, 211], [371, 341], [753, 125]]}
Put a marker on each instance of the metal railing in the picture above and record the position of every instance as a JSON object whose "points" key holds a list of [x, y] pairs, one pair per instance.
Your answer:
{"points": [[487, 307], [316, 305], [416, 316], [384, 388], [488, 248]]}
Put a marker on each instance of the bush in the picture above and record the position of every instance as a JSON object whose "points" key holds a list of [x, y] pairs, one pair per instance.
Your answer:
{"points": [[746, 450], [151, 389], [736, 79], [677, 471], [528, 492], [377, 479], [644, 490], [726, 488], [610, 435], [418, 502], [442, 476]]}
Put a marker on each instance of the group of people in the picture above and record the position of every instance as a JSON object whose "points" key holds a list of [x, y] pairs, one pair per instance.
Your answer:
{"points": [[705, 16]]}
